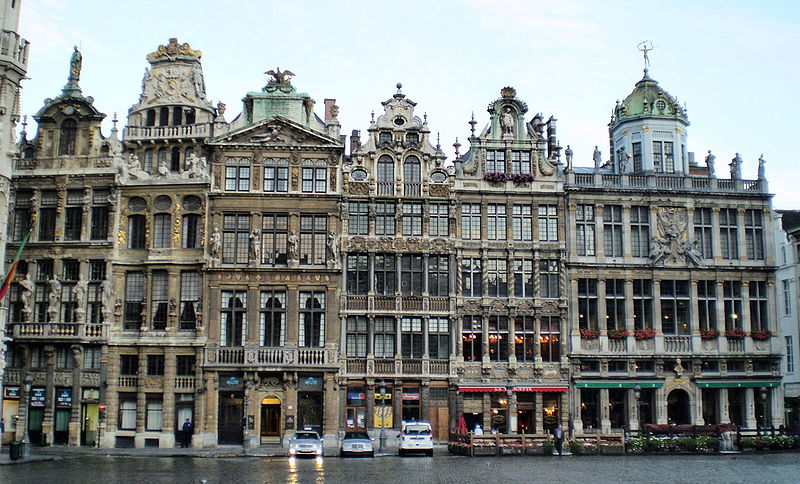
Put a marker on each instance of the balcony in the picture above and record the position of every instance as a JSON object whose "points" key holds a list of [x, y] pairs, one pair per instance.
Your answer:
{"points": [[664, 182], [269, 357], [184, 383], [389, 367], [407, 304], [128, 382], [14, 48], [65, 162], [59, 331], [678, 344], [135, 133]]}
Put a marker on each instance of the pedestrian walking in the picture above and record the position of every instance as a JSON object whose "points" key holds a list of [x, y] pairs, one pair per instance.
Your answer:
{"points": [[187, 433], [558, 436]]}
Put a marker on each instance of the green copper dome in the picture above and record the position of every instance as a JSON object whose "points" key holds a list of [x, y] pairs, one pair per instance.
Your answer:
{"points": [[648, 100]]}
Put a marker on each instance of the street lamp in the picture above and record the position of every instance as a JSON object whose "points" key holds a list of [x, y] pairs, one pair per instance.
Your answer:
{"points": [[382, 437], [763, 396], [25, 443], [637, 394]]}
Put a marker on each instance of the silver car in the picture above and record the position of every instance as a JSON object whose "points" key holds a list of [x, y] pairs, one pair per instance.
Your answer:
{"points": [[357, 443], [305, 442]]}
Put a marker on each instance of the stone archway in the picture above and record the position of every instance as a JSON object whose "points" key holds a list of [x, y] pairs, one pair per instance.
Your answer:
{"points": [[679, 410]]}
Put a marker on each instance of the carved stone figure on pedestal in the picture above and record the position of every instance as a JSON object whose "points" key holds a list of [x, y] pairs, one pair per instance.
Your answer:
{"points": [[81, 288], [333, 247], [736, 167], [568, 153], [761, 165], [710, 163], [106, 295], [54, 300], [27, 285], [215, 243], [294, 246], [255, 246], [597, 157]]}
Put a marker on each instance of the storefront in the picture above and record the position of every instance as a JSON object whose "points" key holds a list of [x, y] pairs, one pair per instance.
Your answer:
{"points": [[310, 402], [611, 406], [356, 408], [230, 425], [10, 413]]}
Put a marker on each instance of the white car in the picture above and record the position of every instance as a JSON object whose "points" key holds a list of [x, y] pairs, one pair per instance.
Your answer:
{"points": [[305, 442], [415, 437], [357, 443]]}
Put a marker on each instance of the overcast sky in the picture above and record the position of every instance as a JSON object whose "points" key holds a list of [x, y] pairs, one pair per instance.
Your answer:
{"points": [[734, 63]]}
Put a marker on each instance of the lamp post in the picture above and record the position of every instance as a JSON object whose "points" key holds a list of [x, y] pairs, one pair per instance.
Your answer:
{"points": [[25, 443], [382, 437], [637, 394], [763, 397]]}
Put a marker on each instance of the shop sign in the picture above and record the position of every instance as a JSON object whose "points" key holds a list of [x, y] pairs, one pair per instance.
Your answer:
{"points": [[37, 397], [356, 396], [64, 398], [410, 396], [384, 396], [232, 382], [383, 416], [310, 383], [11, 393]]}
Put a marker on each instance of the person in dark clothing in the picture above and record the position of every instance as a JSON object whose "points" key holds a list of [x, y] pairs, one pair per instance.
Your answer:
{"points": [[187, 433], [558, 437]]}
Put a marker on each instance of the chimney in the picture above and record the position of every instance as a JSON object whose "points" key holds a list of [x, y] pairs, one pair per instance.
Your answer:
{"points": [[331, 110]]}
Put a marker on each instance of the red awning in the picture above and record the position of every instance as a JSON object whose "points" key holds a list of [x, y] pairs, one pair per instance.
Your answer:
{"points": [[465, 389], [540, 388]]}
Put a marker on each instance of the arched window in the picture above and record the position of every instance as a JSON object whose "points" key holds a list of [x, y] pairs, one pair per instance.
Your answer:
{"points": [[163, 117], [151, 117], [69, 134], [190, 117], [162, 157], [412, 177], [28, 153], [104, 150], [385, 175], [175, 159], [177, 115]]}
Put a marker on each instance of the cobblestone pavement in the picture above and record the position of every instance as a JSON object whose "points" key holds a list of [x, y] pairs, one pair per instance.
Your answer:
{"points": [[442, 468]]}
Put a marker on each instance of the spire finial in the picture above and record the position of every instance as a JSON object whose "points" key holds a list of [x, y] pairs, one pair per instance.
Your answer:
{"points": [[24, 123], [457, 145], [372, 117], [472, 124], [114, 121], [438, 144], [425, 118]]}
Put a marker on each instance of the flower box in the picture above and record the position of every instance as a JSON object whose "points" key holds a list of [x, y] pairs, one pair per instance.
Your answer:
{"points": [[522, 177], [589, 333], [496, 177], [761, 334], [611, 449], [534, 449], [735, 334], [644, 333], [511, 450], [709, 333], [618, 333], [484, 450]]}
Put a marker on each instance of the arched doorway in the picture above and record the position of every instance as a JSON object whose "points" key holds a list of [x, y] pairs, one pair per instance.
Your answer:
{"points": [[678, 408], [270, 420]]}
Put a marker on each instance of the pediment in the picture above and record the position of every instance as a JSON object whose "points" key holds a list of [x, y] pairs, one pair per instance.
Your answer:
{"points": [[277, 131]]}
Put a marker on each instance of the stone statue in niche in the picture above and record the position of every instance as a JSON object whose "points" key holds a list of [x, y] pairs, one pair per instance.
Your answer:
{"points": [[54, 300], [294, 246], [623, 159], [81, 289], [215, 244], [507, 121], [107, 294], [197, 81], [255, 246], [27, 285], [333, 247]]}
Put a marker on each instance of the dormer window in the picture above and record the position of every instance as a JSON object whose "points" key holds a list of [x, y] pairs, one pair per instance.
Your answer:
{"points": [[412, 138], [384, 137], [69, 134]]}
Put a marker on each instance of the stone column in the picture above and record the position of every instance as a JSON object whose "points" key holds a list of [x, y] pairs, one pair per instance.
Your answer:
{"points": [[141, 400], [538, 409], [741, 240], [48, 423], [749, 408], [605, 417], [512, 411], [633, 410], [75, 423], [330, 424], [698, 406], [695, 315], [659, 339], [627, 250], [599, 239], [169, 423], [577, 423], [660, 406], [724, 410], [715, 240], [425, 333], [747, 325]]}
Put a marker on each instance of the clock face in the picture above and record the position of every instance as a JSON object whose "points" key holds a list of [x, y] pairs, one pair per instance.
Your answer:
{"points": [[660, 104], [69, 110], [358, 174], [438, 177]]}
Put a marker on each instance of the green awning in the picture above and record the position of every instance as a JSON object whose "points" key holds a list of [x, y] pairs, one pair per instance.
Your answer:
{"points": [[619, 384], [738, 384]]}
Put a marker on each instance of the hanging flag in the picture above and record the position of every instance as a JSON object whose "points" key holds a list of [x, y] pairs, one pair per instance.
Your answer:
{"points": [[14, 264]]}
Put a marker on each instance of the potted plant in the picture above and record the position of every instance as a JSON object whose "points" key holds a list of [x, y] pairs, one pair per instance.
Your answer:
{"points": [[760, 334], [735, 334], [709, 333], [533, 447], [589, 333], [511, 448], [522, 177], [547, 448], [618, 333], [644, 333], [495, 177]]}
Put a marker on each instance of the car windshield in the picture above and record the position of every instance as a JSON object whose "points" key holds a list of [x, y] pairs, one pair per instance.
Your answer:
{"points": [[355, 435], [306, 436]]}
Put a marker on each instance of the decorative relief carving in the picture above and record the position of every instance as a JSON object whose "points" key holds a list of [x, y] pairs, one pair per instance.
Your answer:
{"points": [[670, 245]]}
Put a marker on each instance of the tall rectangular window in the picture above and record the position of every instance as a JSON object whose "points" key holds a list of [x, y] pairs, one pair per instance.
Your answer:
{"points": [[640, 231], [707, 304], [22, 214], [471, 277], [384, 337], [47, 224], [523, 278], [190, 231], [497, 277], [789, 354], [636, 149], [154, 419], [356, 337], [758, 305], [237, 177], [615, 304], [549, 278], [99, 221], [754, 234], [385, 274], [185, 365], [274, 234], [549, 337], [162, 230], [732, 299], [498, 338], [728, 233], [127, 412], [357, 274], [495, 161], [439, 220], [73, 221], [584, 218], [496, 221], [411, 274], [548, 223], [358, 218], [160, 299], [97, 274], [155, 365], [233, 318], [703, 232], [522, 223], [313, 234], [472, 338], [471, 221], [525, 339], [235, 238], [520, 162], [134, 300], [675, 317], [612, 230], [438, 275], [663, 157], [273, 318], [190, 300], [276, 175], [315, 176], [787, 296], [136, 232], [587, 304], [385, 222], [438, 338], [312, 319], [411, 338], [412, 219]]}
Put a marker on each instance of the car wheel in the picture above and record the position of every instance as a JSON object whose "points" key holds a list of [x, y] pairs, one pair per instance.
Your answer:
{"points": [[372, 454]]}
